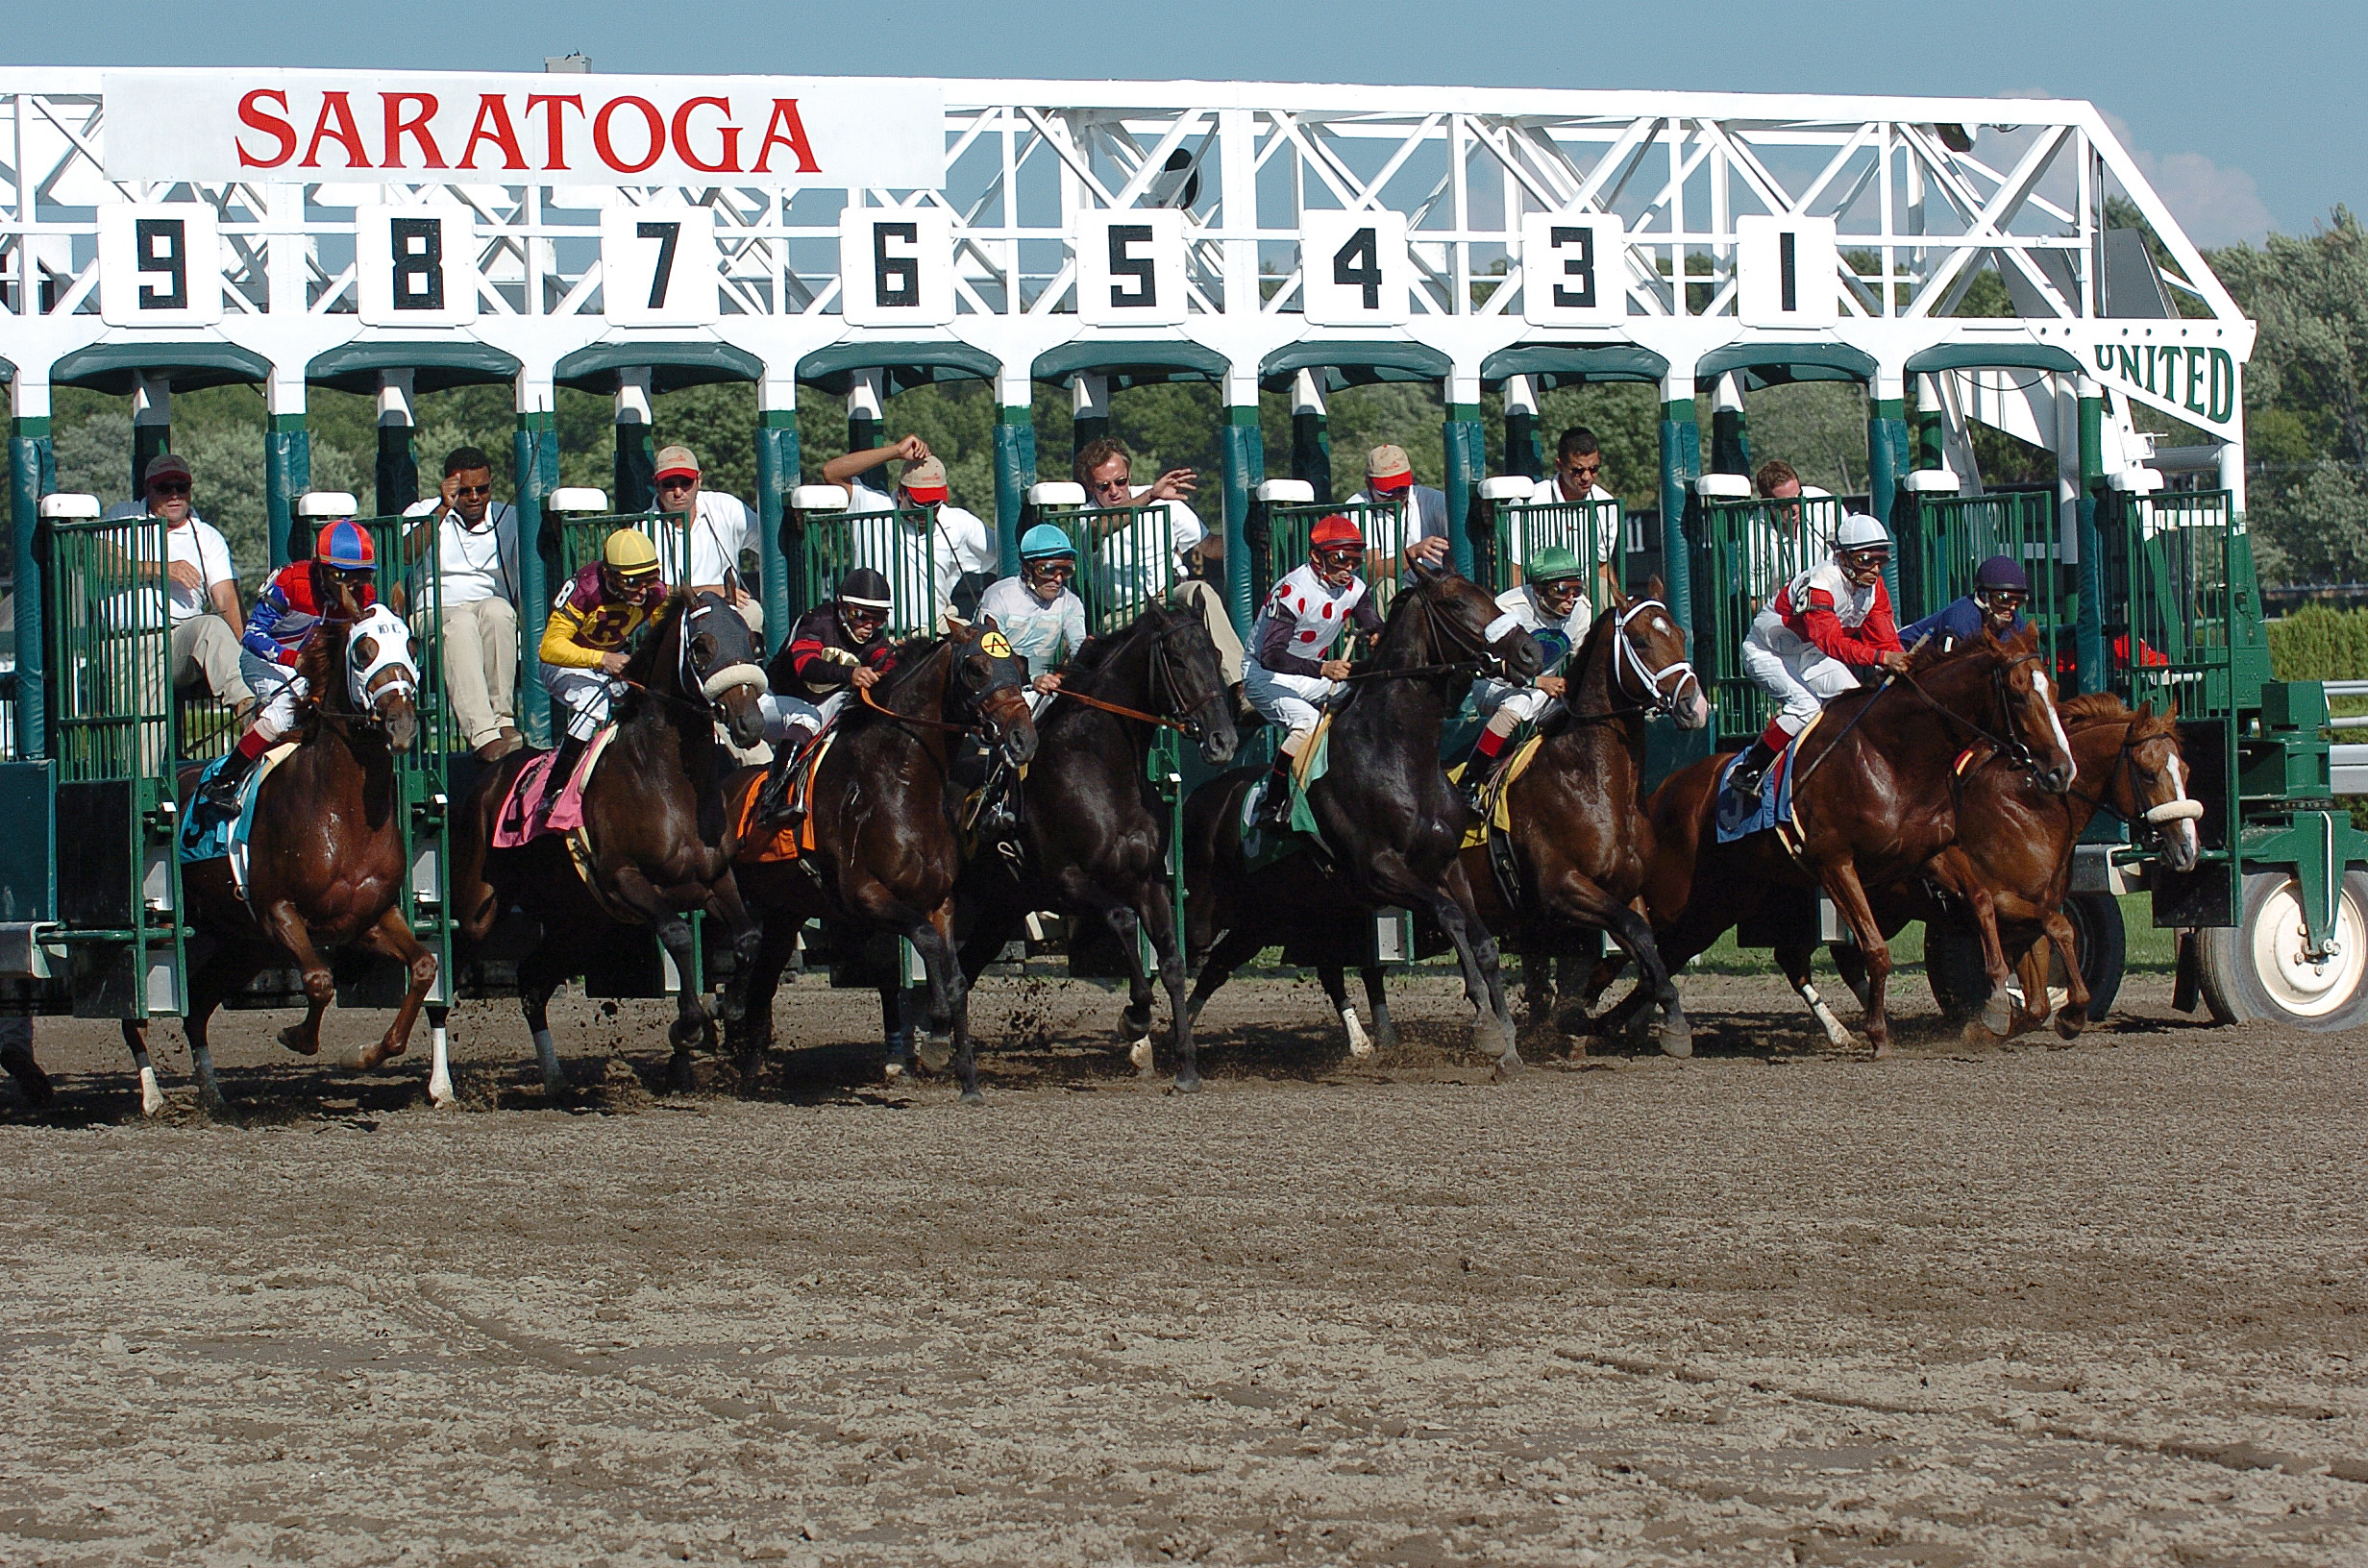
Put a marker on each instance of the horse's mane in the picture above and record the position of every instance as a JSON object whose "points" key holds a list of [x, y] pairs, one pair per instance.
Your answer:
{"points": [[2092, 708], [318, 660]]}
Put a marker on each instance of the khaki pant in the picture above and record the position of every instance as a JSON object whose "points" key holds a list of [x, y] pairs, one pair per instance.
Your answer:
{"points": [[1211, 603], [481, 668], [205, 655]]}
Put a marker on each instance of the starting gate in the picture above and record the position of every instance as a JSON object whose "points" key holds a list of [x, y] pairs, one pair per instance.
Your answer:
{"points": [[1952, 536], [1748, 549]]}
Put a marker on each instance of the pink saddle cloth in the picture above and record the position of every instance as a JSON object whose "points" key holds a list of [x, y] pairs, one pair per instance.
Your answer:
{"points": [[514, 824]]}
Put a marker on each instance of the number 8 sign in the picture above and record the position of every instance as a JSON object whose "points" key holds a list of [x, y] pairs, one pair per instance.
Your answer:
{"points": [[414, 267], [657, 267], [1354, 270], [159, 265]]}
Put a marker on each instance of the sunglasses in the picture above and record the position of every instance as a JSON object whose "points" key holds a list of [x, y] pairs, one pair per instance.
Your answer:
{"points": [[1063, 572], [472, 489], [170, 487], [676, 481], [1595, 467]]}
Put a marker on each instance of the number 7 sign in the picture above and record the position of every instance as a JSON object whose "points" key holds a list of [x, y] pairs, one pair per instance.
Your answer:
{"points": [[657, 267]]}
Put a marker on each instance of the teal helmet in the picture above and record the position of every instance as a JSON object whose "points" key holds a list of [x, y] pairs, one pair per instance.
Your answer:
{"points": [[1045, 540]]}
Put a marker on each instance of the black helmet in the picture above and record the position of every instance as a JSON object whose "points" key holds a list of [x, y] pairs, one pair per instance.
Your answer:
{"points": [[2000, 572], [865, 589]]}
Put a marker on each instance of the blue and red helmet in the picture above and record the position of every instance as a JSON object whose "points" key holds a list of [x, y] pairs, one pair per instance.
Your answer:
{"points": [[345, 546]]}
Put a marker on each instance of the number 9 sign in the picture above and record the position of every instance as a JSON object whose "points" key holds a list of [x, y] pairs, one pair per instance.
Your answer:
{"points": [[414, 266], [159, 265], [657, 267], [895, 266], [1354, 270]]}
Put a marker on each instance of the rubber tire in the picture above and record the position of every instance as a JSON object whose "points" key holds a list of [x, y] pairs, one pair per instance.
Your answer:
{"points": [[1960, 986], [2235, 993]]}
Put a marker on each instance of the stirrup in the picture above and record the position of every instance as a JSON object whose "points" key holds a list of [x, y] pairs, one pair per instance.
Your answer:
{"points": [[1747, 783]]}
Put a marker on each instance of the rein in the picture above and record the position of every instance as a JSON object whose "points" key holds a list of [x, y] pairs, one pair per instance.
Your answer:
{"points": [[1480, 660], [1134, 714], [2020, 752], [863, 695]]}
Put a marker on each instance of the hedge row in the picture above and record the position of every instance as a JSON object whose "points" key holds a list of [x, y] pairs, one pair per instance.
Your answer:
{"points": [[2318, 644]]}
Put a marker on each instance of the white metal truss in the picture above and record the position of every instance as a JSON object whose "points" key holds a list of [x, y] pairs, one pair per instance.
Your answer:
{"points": [[1928, 196]]}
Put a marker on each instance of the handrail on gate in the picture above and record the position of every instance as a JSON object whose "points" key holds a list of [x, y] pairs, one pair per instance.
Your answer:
{"points": [[1747, 549], [828, 541], [1595, 531]]}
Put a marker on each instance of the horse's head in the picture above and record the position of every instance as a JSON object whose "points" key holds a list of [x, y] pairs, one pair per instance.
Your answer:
{"points": [[1465, 627], [719, 657], [1653, 669], [990, 682], [1188, 682], [2151, 786], [2026, 703], [381, 679]]}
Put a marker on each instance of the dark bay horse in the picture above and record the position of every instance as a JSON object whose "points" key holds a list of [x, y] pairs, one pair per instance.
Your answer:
{"points": [[1876, 798], [1580, 839], [1096, 835], [1391, 823], [887, 849], [325, 855], [654, 815]]}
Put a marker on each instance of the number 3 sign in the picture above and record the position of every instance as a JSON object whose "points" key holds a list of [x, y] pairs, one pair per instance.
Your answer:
{"points": [[657, 267], [1354, 270], [159, 265], [1574, 269]]}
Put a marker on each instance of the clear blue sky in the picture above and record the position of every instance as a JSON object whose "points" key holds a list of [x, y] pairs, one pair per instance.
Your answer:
{"points": [[2249, 114]]}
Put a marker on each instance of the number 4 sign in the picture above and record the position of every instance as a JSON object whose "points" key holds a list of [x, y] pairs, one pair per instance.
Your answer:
{"points": [[1354, 270], [159, 265], [657, 267]]}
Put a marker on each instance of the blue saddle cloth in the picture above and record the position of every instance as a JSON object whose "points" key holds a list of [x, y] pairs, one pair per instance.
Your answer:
{"points": [[215, 837], [1741, 819]]}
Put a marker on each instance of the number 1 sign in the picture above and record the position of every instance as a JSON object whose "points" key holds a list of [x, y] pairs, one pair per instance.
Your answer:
{"points": [[657, 267], [159, 265], [1354, 270]]}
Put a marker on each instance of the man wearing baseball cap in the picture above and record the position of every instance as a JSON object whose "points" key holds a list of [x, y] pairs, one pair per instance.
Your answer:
{"points": [[933, 539], [201, 582], [723, 535], [1421, 536]]}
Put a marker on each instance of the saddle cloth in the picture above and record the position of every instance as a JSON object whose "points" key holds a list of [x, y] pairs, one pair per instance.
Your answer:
{"points": [[219, 837], [1496, 802], [780, 844], [514, 823], [1741, 819], [1260, 846]]}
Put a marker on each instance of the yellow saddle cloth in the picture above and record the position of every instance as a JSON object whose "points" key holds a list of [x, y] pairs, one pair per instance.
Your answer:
{"points": [[1495, 806]]}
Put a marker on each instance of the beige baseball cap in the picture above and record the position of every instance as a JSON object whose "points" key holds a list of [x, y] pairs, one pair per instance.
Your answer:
{"points": [[676, 460], [1387, 468], [924, 480]]}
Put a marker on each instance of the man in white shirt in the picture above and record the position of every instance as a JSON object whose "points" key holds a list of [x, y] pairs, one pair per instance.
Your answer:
{"points": [[722, 530], [476, 541], [936, 542], [202, 586], [1578, 460], [1166, 543], [1419, 536]]}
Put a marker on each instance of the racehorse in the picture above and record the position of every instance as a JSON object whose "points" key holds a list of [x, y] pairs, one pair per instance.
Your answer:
{"points": [[324, 856], [1096, 838], [1579, 839], [1391, 824], [887, 849], [1874, 796], [654, 826]]}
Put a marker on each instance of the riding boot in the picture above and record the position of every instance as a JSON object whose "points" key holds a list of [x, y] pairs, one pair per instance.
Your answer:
{"points": [[1751, 774], [554, 783], [770, 795], [218, 797], [1275, 806], [1488, 755]]}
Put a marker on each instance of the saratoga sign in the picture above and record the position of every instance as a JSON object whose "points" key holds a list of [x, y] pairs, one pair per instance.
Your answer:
{"points": [[423, 127]]}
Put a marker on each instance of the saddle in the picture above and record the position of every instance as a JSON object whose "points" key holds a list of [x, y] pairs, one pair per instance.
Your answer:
{"points": [[514, 824], [215, 838], [752, 843], [1259, 848]]}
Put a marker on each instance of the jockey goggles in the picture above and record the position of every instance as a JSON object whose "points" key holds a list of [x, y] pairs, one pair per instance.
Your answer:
{"points": [[1051, 569], [1340, 558]]}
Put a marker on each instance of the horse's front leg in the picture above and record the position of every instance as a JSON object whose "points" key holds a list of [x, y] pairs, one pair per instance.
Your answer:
{"points": [[152, 1101], [1377, 997], [1125, 923], [1450, 903], [1234, 948], [948, 1002], [747, 938], [288, 929], [2074, 1015], [1842, 885], [392, 936], [1955, 872], [1158, 915], [1333, 978], [692, 1024]]}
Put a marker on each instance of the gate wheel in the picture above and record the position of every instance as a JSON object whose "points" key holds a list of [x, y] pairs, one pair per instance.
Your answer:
{"points": [[1952, 959], [2258, 969]]}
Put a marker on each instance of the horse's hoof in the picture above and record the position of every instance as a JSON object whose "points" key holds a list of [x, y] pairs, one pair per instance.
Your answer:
{"points": [[681, 1078], [893, 1072], [1510, 1065], [384, 1051], [440, 1094], [1675, 1041], [2069, 1025], [1140, 1054], [1133, 1024], [1883, 1049], [1385, 1036], [296, 1040], [1187, 1083], [972, 1096], [152, 1100], [751, 1066], [1998, 1017], [936, 1051]]}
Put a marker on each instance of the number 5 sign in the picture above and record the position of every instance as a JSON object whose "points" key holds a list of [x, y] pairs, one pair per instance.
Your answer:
{"points": [[895, 266], [1130, 267], [657, 267], [159, 265], [1354, 270], [1574, 269], [414, 267]]}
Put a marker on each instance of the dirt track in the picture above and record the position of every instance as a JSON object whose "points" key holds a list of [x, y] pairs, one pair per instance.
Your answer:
{"points": [[2104, 1304]]}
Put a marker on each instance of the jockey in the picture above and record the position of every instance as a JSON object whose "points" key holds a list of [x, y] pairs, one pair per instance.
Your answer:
{"points": [[1287, 676], [2000, 590], [585, 641], [1807, 646], [1552, 606], [1036, 611], [834, 650], [289, 607]]}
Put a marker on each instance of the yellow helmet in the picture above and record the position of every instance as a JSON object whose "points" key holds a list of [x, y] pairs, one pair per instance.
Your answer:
{"points": [[629, 555]]}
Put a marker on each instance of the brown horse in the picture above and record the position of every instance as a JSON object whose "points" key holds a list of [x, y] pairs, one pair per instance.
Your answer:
{"points": [[887, 851], [325, 854], [1580, 839], [1874, 796], [1391, 823], [654, 819]]}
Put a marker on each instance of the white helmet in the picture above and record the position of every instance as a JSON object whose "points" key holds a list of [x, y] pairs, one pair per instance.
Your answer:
{"points": [[1858, 530]]}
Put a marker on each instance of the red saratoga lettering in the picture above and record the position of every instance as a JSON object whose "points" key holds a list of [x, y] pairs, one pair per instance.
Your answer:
{"points": [[335, 107], [414, 126], [552, 101], [493, 126], [250, 114], [729, 132], [656, 121], [786, 130]]}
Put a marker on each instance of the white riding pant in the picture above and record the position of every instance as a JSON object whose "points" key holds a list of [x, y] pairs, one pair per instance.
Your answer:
{"points": [[789, 719], [1792, 670], [277, 690], [1515, 705], [1291, 702], [585, 694]]}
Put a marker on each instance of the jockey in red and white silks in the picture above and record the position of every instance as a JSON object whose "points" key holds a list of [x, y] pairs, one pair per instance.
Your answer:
{"points": [[1289, 673]]}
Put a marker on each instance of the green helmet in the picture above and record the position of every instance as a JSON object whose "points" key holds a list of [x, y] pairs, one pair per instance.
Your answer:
{"points": [[1554, 564], [1045, 540]]}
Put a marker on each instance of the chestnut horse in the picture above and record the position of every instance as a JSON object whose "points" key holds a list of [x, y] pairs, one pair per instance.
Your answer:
{"points": [[1875, 796], [324, 855], [1391, 823], [887, 851], [653, 816]]}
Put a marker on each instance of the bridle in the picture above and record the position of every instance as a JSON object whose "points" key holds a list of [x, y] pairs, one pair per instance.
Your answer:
{"points": [[2016, 749], [1436, 630], [1656, 700], [1182, 716], [973, 702], [2157, 818], [708, 685]]}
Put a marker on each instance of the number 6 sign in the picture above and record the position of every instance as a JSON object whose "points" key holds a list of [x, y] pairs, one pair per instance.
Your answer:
{"points": [[895, 266], [657, 267], [1354, 270], [159, 265]]}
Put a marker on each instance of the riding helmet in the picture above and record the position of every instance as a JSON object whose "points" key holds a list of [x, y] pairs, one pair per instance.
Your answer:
{"points": [[1554, 564], [1045, 541], [345, 546], [1335, 530], [629, 554], [865, 589], [1860, 531], [2000, 572]]}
